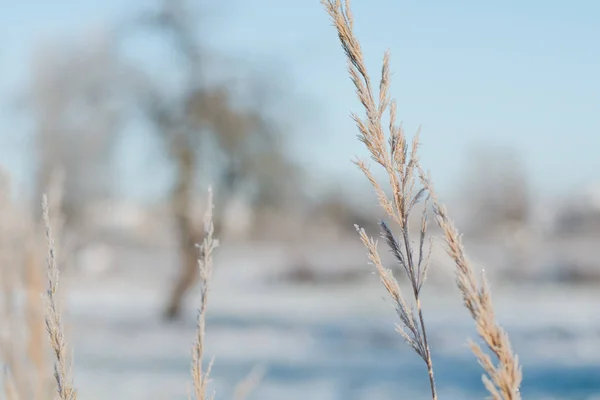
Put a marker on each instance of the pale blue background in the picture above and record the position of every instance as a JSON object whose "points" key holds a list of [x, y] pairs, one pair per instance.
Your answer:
{"points": [[521, 74]]}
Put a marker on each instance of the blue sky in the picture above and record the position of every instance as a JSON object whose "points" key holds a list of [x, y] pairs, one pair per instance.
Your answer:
{"points": [[513, 74]]}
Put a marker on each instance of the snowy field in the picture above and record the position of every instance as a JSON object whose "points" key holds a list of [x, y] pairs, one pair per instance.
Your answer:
{"points": [[323, 341]]}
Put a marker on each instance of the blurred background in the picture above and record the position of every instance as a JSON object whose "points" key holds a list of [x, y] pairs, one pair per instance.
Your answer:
{"points": [[126, 112]]}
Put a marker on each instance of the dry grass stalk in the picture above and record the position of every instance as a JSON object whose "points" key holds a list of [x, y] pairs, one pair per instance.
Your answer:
{"points": [[10, 389], [55, 198], [24, 343], [249, 383], [503, 379], [12, 329], [62, 373], [392, 154], [36, 341], [401, 164], [205, 264], [42, 383]]}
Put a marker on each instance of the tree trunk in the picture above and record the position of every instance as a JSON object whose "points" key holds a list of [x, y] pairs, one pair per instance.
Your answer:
{"points": [[188, 234]]}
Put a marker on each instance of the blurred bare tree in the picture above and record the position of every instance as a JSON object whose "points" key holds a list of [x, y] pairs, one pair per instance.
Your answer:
{"points": [[76, 102], [218, 131], [497, 190], [500, 203], [204, 119]]}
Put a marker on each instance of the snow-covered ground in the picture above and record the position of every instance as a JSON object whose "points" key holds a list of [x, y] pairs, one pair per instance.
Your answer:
{"points": [[323, 341]]}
